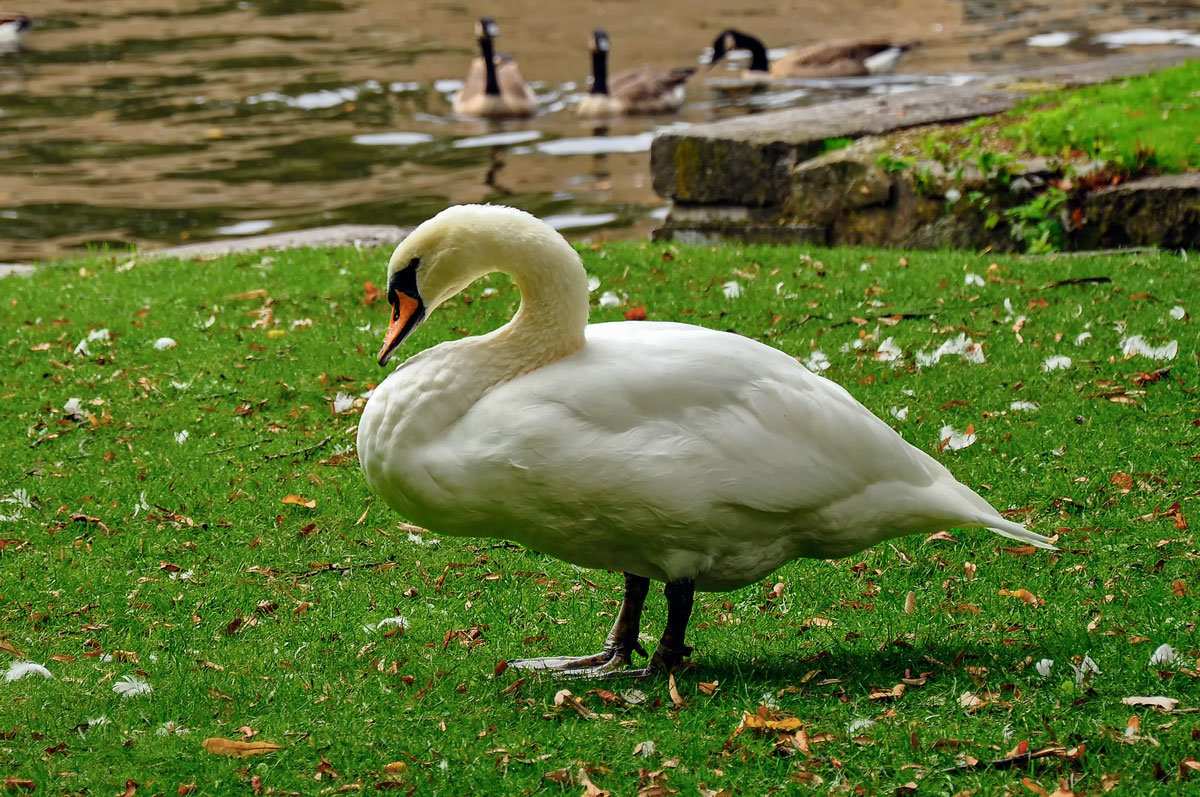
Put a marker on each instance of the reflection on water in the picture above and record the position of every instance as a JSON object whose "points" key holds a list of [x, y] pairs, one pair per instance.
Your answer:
{"points": [[162, 121]]}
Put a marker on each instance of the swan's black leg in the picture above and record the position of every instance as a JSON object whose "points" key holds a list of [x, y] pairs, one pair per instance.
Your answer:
{"points": [[618, 648], [671, 648]]}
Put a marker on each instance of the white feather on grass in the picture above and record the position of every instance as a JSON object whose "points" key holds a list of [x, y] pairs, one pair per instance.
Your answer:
{"points": [[19, 669], [132, 686]]}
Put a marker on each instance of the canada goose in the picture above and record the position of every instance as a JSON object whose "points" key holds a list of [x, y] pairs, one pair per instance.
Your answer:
{"points": [[12, 29], [494, 86], [827, 59], [665, 451], [642, 90]]}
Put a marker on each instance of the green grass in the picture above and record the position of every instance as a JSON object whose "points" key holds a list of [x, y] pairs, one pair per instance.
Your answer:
{"points": [[1151, 121], [196, 538]]}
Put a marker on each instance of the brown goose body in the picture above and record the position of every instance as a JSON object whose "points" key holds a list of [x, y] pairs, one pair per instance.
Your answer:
{"points": [[641, 90], [844, 58]]}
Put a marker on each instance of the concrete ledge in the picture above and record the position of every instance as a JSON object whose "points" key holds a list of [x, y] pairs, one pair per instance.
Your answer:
{"points": [[365, 235], [16, 269], [1162, 211], [763, 177], [748, 160]]}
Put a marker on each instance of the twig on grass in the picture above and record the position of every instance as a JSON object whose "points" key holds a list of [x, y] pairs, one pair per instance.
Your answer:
{"points": [[304, 451], [239, 445], [327, 568]]}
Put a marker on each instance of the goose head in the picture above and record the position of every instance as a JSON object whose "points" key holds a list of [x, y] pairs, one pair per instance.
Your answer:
{"points": [[486, 28], [729, 40], [448, 252], [599, 42]]}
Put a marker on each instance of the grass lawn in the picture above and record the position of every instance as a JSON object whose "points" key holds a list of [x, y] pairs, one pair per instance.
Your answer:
{"points": [[131, 550], [1142, 122], [1133, 126]]}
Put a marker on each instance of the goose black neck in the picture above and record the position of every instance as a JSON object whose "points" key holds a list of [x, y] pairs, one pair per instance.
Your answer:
{"points": [[599, 72], [489, 65], [758, 51]]}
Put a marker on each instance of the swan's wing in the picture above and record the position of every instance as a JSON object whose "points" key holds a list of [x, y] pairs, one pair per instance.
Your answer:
{"points": [[691, 419]]}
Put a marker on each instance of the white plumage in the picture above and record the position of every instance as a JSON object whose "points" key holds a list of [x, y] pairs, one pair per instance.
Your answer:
{"points": [[663, 450]]}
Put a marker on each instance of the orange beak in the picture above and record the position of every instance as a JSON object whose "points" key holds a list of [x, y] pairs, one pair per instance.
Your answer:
{"points": [[405, 318]]}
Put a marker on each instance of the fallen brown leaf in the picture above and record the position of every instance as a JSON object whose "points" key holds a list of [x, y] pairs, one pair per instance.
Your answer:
{"points": [[1164, 703], [766, 720], [371, 293], [590, 789], [879, 693], [1028, 783], [1025, 595], [674, 690], [297, 500], [8, 647], [807, 778], [15, 784], [708, 688], [255, 294], [240, 749]]}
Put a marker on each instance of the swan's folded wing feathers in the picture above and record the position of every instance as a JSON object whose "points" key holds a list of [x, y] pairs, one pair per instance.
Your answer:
{"points": [[687, 409]]}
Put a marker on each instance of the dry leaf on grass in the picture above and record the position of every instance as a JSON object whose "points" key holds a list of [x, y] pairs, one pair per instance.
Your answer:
{"points": [[971, 701], [564, 698], [674, 690], [8, 647], [1028, 783], [879, 693], [1164, 703], [590, 789], [766, 720], [1025, 595], [299, 501], [240, 749]]}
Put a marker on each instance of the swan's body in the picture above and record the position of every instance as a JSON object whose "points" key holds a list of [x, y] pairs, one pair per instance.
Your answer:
{"points": [[667, 451], [494, 87], [641, 90], [848, 58]]}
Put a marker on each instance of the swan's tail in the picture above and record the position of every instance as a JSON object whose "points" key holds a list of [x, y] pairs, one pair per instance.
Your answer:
{"points": [[1015, 531]]}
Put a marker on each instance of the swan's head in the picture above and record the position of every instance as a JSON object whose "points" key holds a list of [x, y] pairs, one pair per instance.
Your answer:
{"points": [[448, 252], [599, 41]]}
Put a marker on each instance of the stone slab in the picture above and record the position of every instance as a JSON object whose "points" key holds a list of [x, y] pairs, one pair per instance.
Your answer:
{"points": [[747, 160], [1157, 211], [15, 269], [365, 235]]}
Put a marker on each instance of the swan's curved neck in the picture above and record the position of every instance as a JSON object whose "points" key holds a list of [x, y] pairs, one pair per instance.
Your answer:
{"points": [[553, 314]]}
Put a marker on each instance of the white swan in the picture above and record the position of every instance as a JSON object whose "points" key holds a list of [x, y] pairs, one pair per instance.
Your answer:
{"points": [[671, 452]]}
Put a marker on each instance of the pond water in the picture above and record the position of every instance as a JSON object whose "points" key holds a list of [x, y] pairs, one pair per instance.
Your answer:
{"points": [[159, 122]]}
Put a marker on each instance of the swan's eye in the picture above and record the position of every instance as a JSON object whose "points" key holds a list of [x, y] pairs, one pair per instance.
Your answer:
{"points": [[404, 282]]}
